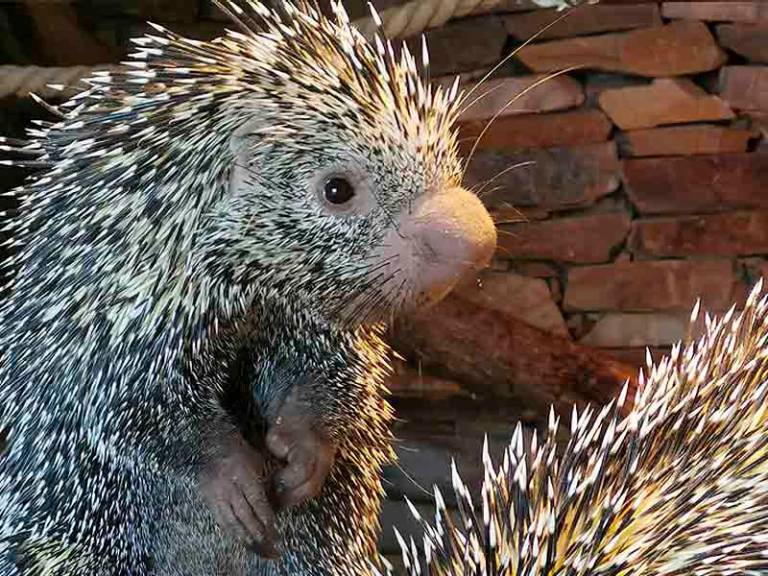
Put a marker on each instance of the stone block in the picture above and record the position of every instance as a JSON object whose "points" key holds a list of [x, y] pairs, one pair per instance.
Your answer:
{"points": [[591, 238], [521, 95], [664, 101], [586, 20], [528, 299], [519, 132], [685, 140], [554, 178], [729, 234], [725, 10], [673, 50], [464, 45], [747, 40], [649, 286], [745, 87], [621, 330], [697, 184]]}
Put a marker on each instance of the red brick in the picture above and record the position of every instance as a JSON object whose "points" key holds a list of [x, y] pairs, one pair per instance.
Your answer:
{"points": [[524, 131], [729, 234], [664, 101], [728, 10], [554, 178], [652, 285], [686, 141], [745, 87], [748, 40], [481, 40], [494, 96], [527, 299], [634, 331], [679, 185], [585, 20], [673, 50], [583, 239]]}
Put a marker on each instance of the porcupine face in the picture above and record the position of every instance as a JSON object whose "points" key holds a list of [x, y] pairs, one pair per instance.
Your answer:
{"points": [[345, 181]]}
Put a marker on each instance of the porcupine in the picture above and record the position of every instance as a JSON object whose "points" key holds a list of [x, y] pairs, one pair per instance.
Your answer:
{"points": [[678, 486], [251, 207]]}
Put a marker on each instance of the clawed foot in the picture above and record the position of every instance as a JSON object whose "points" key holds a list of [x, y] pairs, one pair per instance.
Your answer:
{"points": [[307, 452], [233, 485]]}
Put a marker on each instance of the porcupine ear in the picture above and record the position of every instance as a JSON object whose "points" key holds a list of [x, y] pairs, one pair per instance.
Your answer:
{"points": [[242, 136]]}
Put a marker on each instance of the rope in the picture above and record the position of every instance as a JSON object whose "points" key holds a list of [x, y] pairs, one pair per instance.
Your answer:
{"points": [[417, 16], [398, 22]]}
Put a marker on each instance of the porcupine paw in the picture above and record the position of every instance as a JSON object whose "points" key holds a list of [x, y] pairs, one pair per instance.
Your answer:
{"points": [[307, 452], [233, 485]]}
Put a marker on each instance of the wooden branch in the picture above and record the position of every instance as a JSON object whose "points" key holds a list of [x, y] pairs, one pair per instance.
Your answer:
{"points": [[494, 354]]}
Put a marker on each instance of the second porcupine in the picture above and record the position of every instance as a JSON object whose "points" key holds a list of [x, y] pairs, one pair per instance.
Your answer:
{"points": [[677, 487], [248, 206]]}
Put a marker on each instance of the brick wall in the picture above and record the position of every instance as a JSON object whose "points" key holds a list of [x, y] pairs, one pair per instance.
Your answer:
{"points": [[622, 190], [636, 184]]}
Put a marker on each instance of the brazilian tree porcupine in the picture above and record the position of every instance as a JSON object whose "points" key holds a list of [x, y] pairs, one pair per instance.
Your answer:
{"points": [[678, 487], [214, 234]]}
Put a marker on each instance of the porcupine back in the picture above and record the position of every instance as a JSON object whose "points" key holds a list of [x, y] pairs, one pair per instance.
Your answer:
{"points": [[677, 487]]}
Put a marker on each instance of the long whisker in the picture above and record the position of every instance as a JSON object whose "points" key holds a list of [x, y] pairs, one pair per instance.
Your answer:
{"points": [[539, 82], [512, 54], [413, 481], [367, 283], [476, 100], [365, 298], [520, 220], [501, 173]]}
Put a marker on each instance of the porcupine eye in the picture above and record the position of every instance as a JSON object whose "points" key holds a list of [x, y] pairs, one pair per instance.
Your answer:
{"points": [[338, 191]]}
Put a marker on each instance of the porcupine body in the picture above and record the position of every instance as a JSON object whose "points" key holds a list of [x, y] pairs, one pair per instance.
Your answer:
{"points": [[251, 205], [677, 487], [352, 366]]}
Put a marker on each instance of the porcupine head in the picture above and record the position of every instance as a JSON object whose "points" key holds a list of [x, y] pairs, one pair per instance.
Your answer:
{"points": [[343, 174], [289, 161]]}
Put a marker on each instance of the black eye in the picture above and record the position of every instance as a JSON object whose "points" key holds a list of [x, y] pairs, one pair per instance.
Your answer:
{"points": [[338, 191]]}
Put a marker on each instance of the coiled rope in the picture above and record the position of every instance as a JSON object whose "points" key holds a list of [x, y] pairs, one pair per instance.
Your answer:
{"points": [[417, 16], [398, 22]]}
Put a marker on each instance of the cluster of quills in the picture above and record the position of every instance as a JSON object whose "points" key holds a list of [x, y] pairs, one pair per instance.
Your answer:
{"points": [[677, 487]]}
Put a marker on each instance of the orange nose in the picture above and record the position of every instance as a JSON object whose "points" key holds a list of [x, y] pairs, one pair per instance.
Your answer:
{"points": [[456, 236]]}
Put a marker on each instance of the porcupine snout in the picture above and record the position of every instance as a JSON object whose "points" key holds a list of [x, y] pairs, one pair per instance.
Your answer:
{"points": [[445, 237]]}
